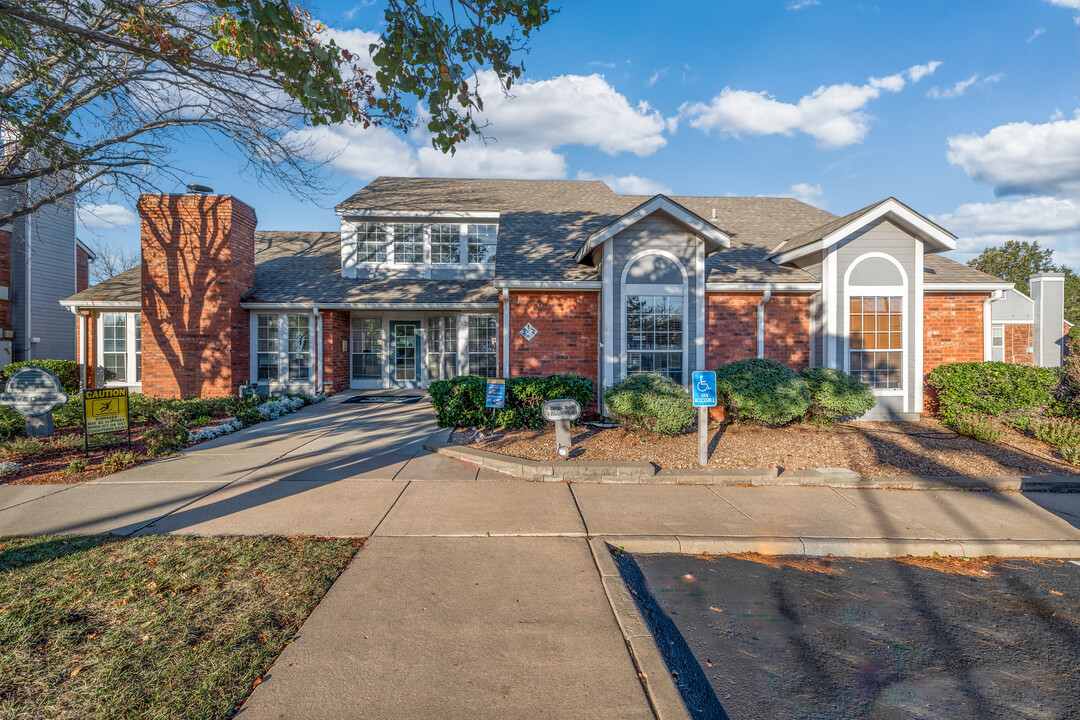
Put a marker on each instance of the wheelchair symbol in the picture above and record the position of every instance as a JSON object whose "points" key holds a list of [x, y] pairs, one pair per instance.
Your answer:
{"points": [[703, 386]]}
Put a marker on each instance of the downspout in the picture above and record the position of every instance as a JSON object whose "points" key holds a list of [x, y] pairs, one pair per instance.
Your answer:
{"points": [[988, 351], [765, 297], [318, 350], [506, 331]]}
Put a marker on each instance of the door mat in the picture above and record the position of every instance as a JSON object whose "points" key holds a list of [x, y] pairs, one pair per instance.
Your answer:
{"points": [[385, 399]]}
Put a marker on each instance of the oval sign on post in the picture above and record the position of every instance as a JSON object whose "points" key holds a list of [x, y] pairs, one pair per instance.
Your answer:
{"points": [[33, 391], [563, 409]]}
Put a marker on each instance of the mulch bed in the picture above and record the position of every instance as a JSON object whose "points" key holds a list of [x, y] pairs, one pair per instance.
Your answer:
{"points": [[874, 449], [48, 469]]}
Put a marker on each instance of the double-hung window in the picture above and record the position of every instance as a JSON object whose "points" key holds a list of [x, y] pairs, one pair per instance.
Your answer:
{"points": [[371, 238], [876, 341], [481, 241], [408, 243], [483, 336], [283, 347], [446, 244], [299, 347], [121, 348], [267, 347], [654, 335], [442, 347]]}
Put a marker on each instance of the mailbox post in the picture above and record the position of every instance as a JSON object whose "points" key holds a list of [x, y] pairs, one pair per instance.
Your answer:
{"points": [[704, 398], [561, 412]]}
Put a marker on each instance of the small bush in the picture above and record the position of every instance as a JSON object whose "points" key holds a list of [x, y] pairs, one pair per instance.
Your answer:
{"points": [[1059, 432], [762, 391], [974, 426], [835, 395], [230, 425], [992, 388], [459, 401], [75, 467], [201, 421], [248, 416], [68, 443], [118, 461], [25, 447], [1071, 453], [66, 371], [8, 467], [651, 402], [166, 439]]}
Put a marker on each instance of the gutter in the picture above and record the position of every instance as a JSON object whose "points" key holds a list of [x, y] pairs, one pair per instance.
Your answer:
{"points": [[368, 306], [791, 287], [766, 297]]}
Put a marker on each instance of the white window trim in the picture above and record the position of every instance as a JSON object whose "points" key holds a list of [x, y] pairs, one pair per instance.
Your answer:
{"points": [[283, 383], [851, 291], [682, 291], [129, 349], [351, 245]]}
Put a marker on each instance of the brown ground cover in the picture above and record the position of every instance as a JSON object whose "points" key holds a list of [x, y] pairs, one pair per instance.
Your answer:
{"points": [[874, 449], [49, 467]]}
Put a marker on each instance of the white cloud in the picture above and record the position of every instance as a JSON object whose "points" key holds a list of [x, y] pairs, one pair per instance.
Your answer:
{"points": [[800, 4], [831, 114], [1052, 222], [356, 41], [803, 192], [1074, 4], [961, 87], [1023, 158], [628, 184], [524, 131], [569, 110], [655, 77], [107, 215], [1038, 31]]}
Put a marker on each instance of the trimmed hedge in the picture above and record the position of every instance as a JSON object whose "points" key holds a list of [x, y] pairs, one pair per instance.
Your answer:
{"points": [[651, 402], [762, 391], [459, 401], [66, 370], [835, 395], [992, 388]]}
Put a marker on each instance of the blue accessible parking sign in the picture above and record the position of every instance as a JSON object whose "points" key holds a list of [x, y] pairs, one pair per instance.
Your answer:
{"points": [[704, 389]]}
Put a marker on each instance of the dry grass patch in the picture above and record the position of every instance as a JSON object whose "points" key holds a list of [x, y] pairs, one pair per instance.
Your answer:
{"points": [[152, 627]]}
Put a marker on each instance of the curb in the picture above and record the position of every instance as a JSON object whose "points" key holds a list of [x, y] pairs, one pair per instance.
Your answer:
{"points": [[842, 547], [664, 697], [643, 473]]}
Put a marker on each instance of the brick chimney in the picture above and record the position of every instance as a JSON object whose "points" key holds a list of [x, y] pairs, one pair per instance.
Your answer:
{"points": [[198, 257]]}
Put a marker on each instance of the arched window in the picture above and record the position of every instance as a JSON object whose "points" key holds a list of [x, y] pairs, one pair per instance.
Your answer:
{"points": [[875, 288], [654, 315]]}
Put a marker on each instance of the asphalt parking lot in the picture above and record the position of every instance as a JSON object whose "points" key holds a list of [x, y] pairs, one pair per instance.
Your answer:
{"points": [[755, 637]]}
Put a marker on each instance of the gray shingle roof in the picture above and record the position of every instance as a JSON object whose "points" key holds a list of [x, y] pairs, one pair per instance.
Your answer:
{"points": [[940, 269], [125, 287]]}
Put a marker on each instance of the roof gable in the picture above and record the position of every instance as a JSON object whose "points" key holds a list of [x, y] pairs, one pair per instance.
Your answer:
{"points": [[656, 203], [834, 231]]}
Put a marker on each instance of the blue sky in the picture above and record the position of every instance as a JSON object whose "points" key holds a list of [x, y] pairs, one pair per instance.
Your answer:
{"points": [[967, 111]]}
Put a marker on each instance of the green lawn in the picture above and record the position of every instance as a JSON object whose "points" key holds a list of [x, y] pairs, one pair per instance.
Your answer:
{"points": [[151, 627]]}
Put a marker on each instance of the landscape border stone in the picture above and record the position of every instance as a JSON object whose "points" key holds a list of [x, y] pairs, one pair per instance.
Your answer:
{"points": [[647, 473]]}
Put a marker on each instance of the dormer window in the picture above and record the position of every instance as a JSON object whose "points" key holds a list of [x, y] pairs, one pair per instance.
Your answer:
{"points": [[379, 243]]}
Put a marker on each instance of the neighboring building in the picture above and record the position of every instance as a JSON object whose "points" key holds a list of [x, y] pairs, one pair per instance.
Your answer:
{"points": [[430, 278], [41, 262]]}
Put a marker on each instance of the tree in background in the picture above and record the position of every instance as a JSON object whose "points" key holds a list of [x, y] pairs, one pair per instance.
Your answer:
{"points": [[95, 95], [1017, 260], [112, 259]]}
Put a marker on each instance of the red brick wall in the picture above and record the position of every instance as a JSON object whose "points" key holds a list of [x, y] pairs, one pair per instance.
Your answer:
{"points": [[335, 355], [731, 328], [82, 269], [1018, 341], [566, 341], [952, 328], [5, 279], [198, 257]]}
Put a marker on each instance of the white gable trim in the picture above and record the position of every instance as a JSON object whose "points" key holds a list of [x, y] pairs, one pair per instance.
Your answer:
{"points": [[647, 208], [923, 227]]}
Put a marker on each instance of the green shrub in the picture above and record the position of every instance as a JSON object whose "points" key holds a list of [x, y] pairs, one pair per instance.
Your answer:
{"points": [[975, 426], [651, 402], [67, 371], [992, 388], [69, 442], [459, 401], [248, 416], [75, 467], [1059, 432], [1071, 453], [201, 421], [834, 394], [762, 391], [118, 461], [166, 438], [25, 447]]}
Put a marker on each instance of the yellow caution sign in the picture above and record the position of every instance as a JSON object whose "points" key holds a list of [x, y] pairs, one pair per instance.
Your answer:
{"points": [[106, 411]]}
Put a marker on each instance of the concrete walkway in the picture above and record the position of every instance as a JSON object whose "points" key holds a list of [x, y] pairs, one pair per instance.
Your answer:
{"points": [[478, 596]]}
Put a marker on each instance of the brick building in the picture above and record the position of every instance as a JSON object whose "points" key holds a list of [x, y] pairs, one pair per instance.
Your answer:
{"points": [[431, 278]]}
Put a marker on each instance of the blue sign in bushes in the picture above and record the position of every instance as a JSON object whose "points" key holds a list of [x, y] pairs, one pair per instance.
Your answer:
{"points": [[496, 393]]}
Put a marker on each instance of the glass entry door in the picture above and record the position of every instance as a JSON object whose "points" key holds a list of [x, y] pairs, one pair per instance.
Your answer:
{"points": [[405, 346]]}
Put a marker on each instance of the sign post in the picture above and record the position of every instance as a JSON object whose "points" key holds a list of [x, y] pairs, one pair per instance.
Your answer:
{"points": [[105, 411], [33, 392], [704, 383], [562, 412]]}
